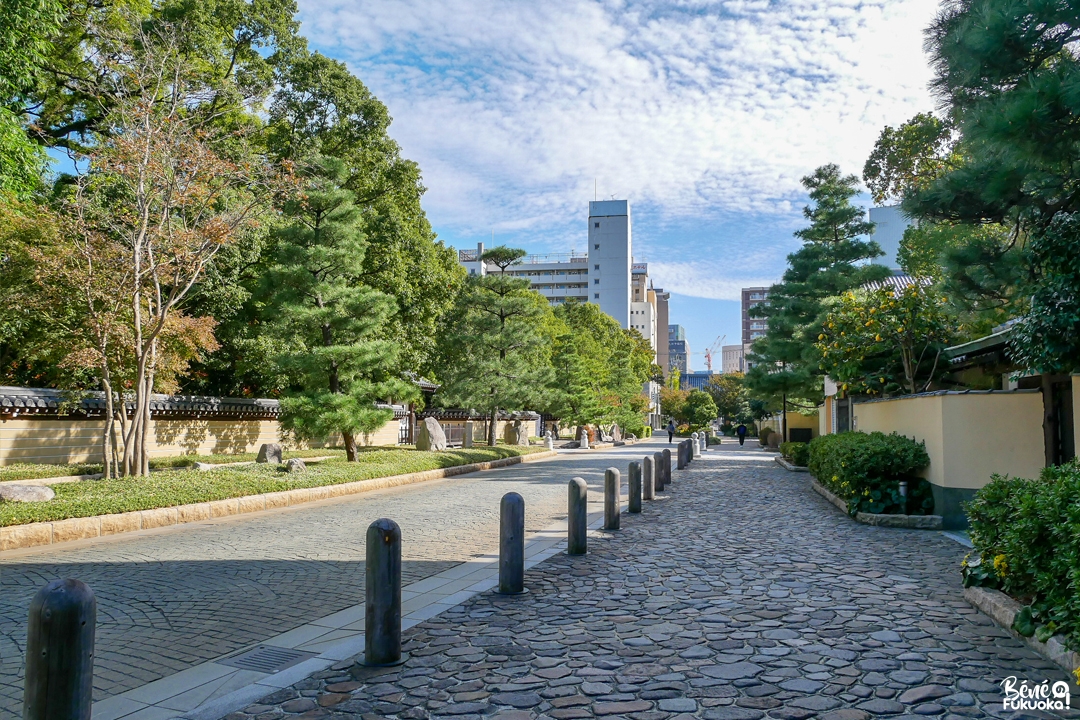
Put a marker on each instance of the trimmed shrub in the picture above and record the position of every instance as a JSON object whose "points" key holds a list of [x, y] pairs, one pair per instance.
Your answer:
{"points": [[763, 435], [1026, 535], [796, 453], [646, 432], [866, 470]]}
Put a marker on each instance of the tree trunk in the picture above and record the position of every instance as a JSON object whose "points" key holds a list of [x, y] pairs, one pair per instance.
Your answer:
{"points": [[492, 425], [106, 433], [783, 421], [350, 446]]}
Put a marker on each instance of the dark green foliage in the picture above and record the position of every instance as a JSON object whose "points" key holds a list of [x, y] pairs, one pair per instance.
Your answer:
{"points": [[797, 453], [866, 468], [785, 362], [1026, 535], [329, 320]]}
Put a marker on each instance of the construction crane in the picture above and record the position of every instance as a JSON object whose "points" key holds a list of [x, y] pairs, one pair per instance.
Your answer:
{"points": [[712, 351]]}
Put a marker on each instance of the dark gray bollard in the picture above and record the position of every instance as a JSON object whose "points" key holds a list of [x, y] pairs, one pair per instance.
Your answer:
{"points": [[60, 652], [512, 544], [648, 477], [667, 467], [658, 470], [612, 498], [577, 518], [634, 505], [680, 457], [382, 636]]}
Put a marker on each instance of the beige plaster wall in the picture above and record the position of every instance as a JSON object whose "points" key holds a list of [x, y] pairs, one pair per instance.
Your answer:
{"points": [[968, 437]]}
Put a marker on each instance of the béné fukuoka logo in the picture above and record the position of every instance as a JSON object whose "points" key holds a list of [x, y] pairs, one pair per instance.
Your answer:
{"points": [[1043, 696]]}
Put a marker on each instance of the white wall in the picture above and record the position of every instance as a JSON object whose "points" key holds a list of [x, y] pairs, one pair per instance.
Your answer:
{"points": [[610, 248]]}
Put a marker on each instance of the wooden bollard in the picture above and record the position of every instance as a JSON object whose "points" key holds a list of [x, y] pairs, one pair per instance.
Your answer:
{"points": [[634, 483], [382, 626], [612, 498], [512, 544], [648, 477], [60, 652], [577, 518]]}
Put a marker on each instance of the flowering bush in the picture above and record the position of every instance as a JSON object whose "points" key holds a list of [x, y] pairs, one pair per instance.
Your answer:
{"points": [[1026, 535], [866, 469], [796, 453]]}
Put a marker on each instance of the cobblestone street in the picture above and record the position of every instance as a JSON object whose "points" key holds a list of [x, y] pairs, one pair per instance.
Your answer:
{"points": [[739, 594], [170, 599]]}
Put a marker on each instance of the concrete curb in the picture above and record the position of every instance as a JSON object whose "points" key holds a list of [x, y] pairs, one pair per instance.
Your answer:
{"points": [[16, 537], [62, 479], [915, 522], [788, 466], [1002, 609]]}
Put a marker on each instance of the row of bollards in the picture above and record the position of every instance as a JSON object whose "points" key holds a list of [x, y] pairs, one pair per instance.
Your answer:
{"points": [[60, 634]]}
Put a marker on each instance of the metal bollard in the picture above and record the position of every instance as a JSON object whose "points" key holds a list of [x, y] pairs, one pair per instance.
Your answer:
{"points": [[60, 652], [512, 544], [658, 470], [382, 627], [648, 477], [577, 518], [634, 505], [680, 458], [612, 498], [667, 467]]}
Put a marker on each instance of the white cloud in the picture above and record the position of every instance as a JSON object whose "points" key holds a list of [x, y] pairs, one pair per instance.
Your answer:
{"points": [[694, 109]]}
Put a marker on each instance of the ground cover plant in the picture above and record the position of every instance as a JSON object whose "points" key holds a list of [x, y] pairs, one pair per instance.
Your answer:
{"points": [[865, 469], [182, 487], [1026, 535], [796, 453], [38, 471]]}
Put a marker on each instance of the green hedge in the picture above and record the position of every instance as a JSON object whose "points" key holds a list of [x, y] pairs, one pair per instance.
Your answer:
{"points": [[1026, 535], [796, 453], [866, 469]]}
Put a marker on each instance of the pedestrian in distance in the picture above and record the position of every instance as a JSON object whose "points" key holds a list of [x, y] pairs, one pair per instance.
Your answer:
{"points": [[670, 431], [741, 432]]}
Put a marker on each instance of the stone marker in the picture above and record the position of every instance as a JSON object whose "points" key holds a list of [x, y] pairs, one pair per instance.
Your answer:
{"points": [[467, 436], [666, 467], [648, 476], [583, 437], [550, 442], [577, 517], [269, 453], [295, 465], [658, 469], [430, 435], [382, 610], [695, 449], [612, 498], [634, 505], [60, 652], [512, 544], [26, 493]]}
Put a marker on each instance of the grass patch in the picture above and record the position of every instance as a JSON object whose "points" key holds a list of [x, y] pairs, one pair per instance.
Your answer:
{"points": [[102, 497], [37, 471]]}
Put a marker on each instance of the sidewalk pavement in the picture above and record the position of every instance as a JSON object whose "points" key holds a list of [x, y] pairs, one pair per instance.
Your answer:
{"points": [[740, 594]]}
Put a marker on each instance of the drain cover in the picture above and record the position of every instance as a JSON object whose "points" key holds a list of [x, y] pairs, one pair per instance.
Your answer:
{"points": [[267, 659]]}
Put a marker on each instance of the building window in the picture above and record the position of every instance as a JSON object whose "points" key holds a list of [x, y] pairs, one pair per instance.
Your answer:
{"points": [[596, 296], [596, 281], [596, 246], [596, 224], [596, 266]]}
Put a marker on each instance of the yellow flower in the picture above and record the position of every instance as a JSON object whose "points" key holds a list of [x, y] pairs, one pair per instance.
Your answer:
{"points": [[821, 336], [1001, 565], [1076, 672], [878, 338]]}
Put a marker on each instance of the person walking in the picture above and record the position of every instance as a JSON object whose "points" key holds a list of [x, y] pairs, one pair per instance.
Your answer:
{"points": [[670, 431], [741, 432]]}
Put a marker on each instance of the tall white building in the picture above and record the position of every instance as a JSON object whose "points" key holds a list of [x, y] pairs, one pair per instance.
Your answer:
{"points": [[889, 226]]}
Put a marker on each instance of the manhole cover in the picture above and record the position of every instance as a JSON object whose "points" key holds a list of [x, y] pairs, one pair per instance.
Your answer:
{"points": [[267, 659]]}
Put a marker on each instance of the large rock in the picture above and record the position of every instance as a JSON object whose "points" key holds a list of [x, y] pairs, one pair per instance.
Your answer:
{"points": [[430, 435], [295, 465], [269, 453], [515, 434], [26, 493]]}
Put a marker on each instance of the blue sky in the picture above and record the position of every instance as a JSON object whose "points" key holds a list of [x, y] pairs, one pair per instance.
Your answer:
{"points": [[704, 115]]}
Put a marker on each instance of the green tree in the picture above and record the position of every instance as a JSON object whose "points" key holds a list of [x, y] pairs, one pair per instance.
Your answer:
{"points": [[832, 260], [329, 318], [673, 403], [883, 342], [1007, 72], [495, 355], [700, 408], [729, 393]]}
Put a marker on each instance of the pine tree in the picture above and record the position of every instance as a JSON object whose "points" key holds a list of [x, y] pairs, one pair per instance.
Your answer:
{"points": [[494, 352], [330, 319], [785, 362]]}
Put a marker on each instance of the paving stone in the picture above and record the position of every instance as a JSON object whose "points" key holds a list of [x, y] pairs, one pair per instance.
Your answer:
{"points": [[620, 708], [879, 706], [678, 705], [924, 693]]}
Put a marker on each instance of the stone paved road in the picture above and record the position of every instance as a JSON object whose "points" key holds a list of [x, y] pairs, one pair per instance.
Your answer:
{"points": [[173, 598], [740, 595]]}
